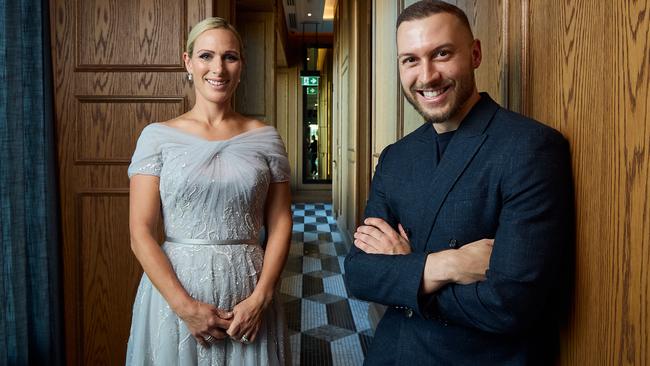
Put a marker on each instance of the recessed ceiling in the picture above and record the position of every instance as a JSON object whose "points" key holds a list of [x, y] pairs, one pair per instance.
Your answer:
{"points": [[306, 16]]}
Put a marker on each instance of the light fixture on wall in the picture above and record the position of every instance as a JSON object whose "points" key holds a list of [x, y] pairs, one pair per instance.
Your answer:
{"points": [[329, 9]]}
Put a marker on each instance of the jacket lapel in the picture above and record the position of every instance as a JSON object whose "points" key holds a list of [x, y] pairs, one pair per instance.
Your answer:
{"points": [[425, 150], [462, 148]]}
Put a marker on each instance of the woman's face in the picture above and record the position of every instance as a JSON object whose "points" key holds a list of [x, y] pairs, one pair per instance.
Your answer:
{"points": [[215, 65]]}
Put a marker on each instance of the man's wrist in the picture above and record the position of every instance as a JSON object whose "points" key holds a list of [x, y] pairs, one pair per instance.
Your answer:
{"points": [[438, 271]]}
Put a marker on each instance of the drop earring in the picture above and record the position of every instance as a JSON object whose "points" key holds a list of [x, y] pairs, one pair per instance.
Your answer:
{"points": [[189, 76]]}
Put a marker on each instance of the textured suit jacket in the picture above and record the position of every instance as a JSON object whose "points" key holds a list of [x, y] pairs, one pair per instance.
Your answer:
{"points": [[502, 176]]}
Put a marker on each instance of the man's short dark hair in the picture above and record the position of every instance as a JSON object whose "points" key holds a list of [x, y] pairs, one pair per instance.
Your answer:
{"points": [[426, 8]]}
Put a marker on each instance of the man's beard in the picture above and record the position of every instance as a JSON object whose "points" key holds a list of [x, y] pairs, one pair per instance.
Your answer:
{"points": [[463, 93]]}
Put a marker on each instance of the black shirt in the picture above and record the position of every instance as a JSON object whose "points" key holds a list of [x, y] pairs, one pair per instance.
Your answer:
{"points": [[442, 140]]}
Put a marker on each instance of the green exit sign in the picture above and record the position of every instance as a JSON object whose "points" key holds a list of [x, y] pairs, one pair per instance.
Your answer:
{"points": [[309, 80], [312, 90]]}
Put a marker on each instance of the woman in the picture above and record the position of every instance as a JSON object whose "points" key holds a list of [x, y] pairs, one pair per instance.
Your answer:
{"points": [[206, 297]]}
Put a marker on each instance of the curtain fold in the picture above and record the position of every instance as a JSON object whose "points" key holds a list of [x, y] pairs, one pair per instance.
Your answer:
{"points": [[31, 330]]}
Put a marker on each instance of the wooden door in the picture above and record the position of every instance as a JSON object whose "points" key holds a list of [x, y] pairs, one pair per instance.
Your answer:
{"points": [[340, 124], [352, 126], [348, 128], [117, 67]]}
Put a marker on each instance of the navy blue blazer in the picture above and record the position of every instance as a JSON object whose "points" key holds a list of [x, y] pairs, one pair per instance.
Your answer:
{"points": [[502, 176]]}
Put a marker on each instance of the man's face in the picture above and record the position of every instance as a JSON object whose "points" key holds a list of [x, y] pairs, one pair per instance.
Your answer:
{"points": [[437, 57]]}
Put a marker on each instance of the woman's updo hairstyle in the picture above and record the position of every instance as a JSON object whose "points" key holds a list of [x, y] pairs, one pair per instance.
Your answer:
{"points": [[208, 24]]}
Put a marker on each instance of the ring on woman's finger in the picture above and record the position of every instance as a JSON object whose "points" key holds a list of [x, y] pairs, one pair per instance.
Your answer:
{"points": [[244, 339], [209, 339]]}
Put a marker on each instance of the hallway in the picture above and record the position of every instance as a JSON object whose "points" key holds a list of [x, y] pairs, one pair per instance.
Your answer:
{"points": [[326, 327]]}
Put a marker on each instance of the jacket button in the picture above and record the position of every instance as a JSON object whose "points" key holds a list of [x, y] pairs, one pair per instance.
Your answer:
{"points": [[408, 313], [453, 243]]}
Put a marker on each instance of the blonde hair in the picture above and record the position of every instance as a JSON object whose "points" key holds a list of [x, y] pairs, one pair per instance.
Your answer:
{"points": [[211, 23]]}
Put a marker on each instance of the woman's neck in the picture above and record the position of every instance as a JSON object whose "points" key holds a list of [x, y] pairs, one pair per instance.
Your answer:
{"points": [[212, 113]]}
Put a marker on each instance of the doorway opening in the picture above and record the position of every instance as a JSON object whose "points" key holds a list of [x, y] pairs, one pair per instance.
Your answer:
{"points": [[316, 85]]}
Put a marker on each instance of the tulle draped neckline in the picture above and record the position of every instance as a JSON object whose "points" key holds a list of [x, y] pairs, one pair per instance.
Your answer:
{"points": [[180, 132]]}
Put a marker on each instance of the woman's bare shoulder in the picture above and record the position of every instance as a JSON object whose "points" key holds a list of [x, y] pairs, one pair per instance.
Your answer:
{"points": [[252, 123], [178, 122]]}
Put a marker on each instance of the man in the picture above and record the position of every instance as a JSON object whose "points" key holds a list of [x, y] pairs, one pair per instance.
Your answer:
{"points": [[313, 155], [469, 220]]}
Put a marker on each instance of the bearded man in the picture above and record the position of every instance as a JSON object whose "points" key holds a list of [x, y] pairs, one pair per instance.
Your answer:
{"points": [[469, 221]]}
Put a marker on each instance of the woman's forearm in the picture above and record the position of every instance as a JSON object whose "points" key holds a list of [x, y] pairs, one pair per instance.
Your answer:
{"points": [[275, 256], [159, 270]]}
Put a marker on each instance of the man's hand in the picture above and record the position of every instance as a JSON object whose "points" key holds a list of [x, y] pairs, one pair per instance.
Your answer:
{"points": [[471, 261], [463, 266], [377, 237]]}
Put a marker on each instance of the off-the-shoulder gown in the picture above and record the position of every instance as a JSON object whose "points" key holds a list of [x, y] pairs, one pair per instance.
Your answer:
{"points": [[212, 195]]}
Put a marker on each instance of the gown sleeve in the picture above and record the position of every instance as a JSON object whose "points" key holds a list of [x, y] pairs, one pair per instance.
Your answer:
{"points": [[276, 158], [147, 158]]}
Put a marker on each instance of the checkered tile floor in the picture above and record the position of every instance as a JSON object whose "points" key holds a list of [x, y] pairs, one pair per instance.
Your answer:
{"points": [[326, 327]]}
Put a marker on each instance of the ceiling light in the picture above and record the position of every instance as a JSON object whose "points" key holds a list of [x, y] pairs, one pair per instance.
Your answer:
{"points": [[308, 14]]}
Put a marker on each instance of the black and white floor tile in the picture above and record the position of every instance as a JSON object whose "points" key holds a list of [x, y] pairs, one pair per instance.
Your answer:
{"points": [[326, 326]]}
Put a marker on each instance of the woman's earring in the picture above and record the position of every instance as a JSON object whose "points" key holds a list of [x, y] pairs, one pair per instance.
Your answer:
{"points": [[189, 76]]}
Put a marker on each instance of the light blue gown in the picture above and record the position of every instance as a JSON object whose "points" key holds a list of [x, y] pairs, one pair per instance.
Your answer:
{"points": [[211, 191]]}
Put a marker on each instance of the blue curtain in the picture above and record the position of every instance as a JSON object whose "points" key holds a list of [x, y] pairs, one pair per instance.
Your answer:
{"points": [[30, 295]]}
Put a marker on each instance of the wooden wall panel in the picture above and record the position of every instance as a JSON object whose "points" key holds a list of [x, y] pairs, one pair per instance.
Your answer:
{"points": [[588, 77], [117, 66], [100, 139], [129, 34], [108, 271], [410, 117], [385, 99], [337, 111], [288, 121], [224, 9], [255, 95], [486, 18]]}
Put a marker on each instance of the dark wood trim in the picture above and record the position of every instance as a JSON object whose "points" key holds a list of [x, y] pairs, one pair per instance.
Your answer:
{"points": [[400, 93], [364, 105], [524, 69], [132, 68], [225, 9], [130, 99], [506, 45]]}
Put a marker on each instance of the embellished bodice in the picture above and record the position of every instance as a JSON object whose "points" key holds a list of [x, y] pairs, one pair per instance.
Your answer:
{"points": [[212, 190]]}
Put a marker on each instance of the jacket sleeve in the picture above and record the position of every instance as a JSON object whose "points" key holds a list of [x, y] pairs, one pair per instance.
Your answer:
{"points": [[531, 245], [392, 280]]}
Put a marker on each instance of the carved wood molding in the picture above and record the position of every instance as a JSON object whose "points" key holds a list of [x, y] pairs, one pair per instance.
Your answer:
{"points": [[81, 67]]}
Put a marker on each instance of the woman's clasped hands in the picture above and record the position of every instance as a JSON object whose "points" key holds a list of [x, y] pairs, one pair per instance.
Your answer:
{"points": [[247, 318], [206, 322], [209, 324]]}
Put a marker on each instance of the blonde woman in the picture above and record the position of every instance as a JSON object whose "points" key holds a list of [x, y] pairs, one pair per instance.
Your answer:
{"points": [[206, 297]]}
